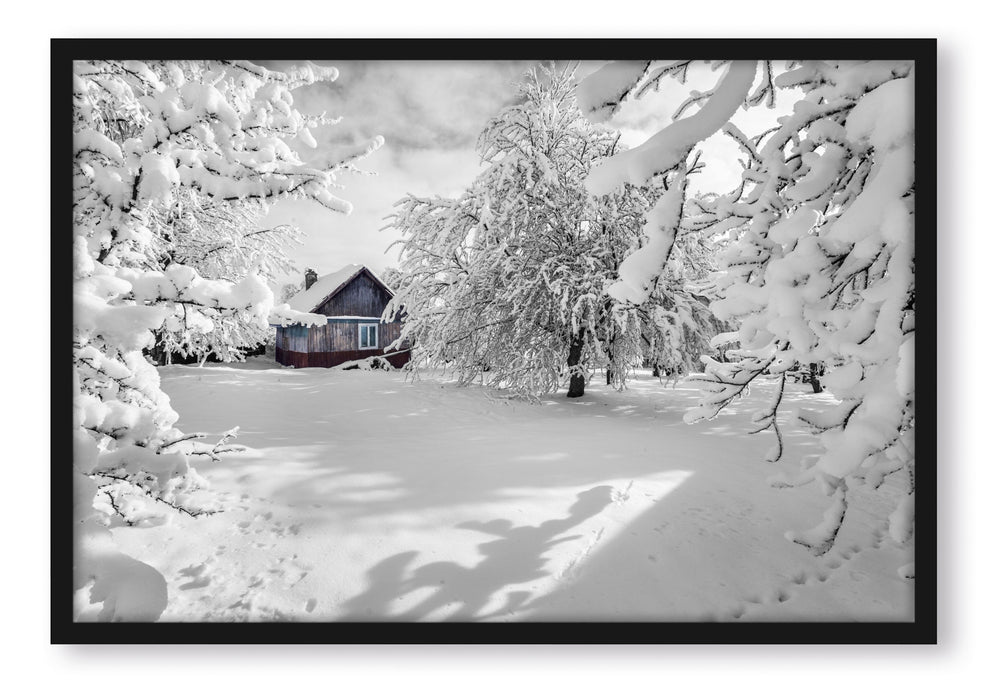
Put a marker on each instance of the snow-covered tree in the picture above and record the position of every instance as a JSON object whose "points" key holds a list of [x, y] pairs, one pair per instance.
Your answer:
{"points": [[222, 241], [819, 266], [508, 281], [677, 328], [288, 291], [153, 142], [391, 276]]}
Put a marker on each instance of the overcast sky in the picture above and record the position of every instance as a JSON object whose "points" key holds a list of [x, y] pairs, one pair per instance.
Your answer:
{"points": [[430, 114]]}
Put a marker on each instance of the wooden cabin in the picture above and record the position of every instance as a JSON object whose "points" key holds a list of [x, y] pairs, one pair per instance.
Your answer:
{"points": [[353, 300]]}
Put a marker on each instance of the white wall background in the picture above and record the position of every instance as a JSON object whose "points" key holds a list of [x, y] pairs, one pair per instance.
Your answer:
{"points": [[36, 670]]}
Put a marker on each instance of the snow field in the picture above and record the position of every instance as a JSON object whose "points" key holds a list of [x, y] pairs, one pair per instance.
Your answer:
{"points": [[365, 496]]}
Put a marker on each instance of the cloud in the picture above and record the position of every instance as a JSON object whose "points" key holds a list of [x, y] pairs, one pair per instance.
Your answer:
{"points": [[414, 104], [333, 240], [431, 114], [638, 120]]}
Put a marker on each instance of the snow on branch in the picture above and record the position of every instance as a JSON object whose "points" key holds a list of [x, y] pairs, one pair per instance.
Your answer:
{"points": [[600, 94], [666, 149], [820, 262], [173, 164], [640, 270], [820, 539], [816, 266]]}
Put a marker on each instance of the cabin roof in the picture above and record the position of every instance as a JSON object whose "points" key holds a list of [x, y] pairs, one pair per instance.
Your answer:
{"points": [[328, 286]]}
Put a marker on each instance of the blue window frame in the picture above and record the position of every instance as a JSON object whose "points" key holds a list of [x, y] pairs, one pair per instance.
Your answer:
{"points": [[367, 336]]}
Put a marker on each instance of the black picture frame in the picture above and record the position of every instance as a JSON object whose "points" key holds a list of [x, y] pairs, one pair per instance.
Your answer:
{"points": [[923, 630]]}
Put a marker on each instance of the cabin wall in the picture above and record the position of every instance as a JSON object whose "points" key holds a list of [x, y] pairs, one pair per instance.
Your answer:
{"points": [[290, 343], [334, 343], [362, 297], [332, 359], [337, 342], [342, 335]]}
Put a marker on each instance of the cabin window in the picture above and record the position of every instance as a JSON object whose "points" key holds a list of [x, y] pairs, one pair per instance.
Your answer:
{"points": [[367, 335]]}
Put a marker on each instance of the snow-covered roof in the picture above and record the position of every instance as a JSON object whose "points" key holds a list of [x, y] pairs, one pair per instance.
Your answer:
{"points": [[308, 299]]}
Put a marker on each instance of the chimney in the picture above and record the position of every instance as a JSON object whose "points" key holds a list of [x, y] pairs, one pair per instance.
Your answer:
{"points": [[311, 277]]}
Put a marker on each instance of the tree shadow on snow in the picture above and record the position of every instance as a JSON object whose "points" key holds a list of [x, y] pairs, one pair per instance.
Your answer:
{"points": [[516, 556]]}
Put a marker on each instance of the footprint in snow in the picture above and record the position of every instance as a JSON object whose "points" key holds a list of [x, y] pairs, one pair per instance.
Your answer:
{"points": [[198, 574], [620, 497], [735, 612], [290, 570], [776, 595]]}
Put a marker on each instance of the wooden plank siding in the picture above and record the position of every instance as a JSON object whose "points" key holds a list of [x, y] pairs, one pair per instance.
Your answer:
{"points": [[332, 359], [334, 343], [363, 296], [292, 340], [341, 335]]}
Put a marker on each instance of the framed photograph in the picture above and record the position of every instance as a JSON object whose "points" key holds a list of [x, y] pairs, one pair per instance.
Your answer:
{"points": [[493, 341]]}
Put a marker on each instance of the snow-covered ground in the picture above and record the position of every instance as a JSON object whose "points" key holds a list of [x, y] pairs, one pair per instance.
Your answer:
{"points": [[364, 496]]}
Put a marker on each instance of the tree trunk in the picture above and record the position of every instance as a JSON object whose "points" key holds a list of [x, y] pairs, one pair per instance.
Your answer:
{"points": [[576, 388], [157, 352], [610, 342], [813, 373], [609, 372]]}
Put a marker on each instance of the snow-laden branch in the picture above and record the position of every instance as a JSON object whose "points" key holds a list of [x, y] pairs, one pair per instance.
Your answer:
{"points": [[173, 163], [818, 269], [669, 147]]}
